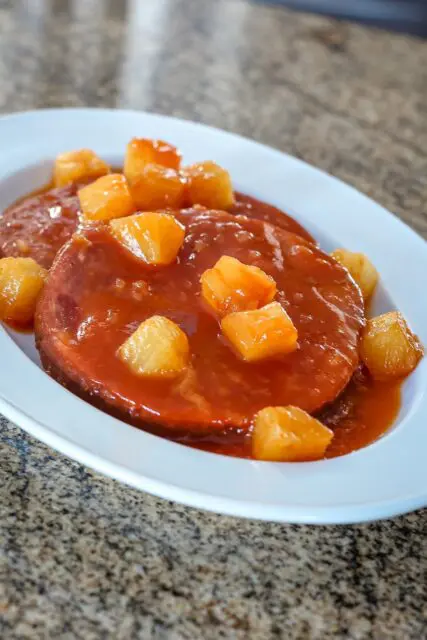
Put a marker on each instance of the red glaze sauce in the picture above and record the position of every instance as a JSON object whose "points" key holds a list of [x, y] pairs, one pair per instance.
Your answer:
{"points": [[358, 417], [38, 225], [252, 208], [361, 413], [83, 318]]}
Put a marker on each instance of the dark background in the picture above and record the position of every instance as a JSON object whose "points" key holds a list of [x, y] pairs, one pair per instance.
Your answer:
{"points": [[400, 15]]}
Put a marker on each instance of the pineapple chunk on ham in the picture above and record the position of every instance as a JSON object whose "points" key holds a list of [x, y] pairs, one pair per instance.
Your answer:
{"points": [[157, 349], [141, 152], [209, 185], [78, 165], [288, 434], [232, 286], [154, 237], [158, 187], [106, 198], [360, 268], [260, 334], [21, 282], [388, 347]]}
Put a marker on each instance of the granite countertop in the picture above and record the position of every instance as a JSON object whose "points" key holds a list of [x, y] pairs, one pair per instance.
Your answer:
{"points": [[85, 557]]}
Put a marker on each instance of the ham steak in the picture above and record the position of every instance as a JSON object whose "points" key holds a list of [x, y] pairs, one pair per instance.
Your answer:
{"points": [[98, 293]]}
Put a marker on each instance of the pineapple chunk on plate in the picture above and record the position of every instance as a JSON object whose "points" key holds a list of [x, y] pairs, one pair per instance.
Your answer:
{"points": [[106, 198], [78, 165], [388, 348], [360, 268], [260, 334], [157, 349], [288, 434], [141, 151], [232, 286], [21, 282], [209, 185], [154, 237], [158, 187]]}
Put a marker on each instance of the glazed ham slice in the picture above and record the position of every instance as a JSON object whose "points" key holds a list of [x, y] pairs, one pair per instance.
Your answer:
{"points": [[98, 293]]}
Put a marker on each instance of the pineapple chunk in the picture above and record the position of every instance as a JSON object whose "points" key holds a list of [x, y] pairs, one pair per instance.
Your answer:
{"points": [[260, 334], [288, 434], [361, 270], [157, 349], [21, 282], [78, 165], [233, 286], [209, 185], [389, 349], [154, 237], [140, 152], [158, 187], [106, 198]]}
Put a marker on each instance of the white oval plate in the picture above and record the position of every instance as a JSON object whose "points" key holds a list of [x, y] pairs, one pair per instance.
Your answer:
{"points": [[387, 478]]}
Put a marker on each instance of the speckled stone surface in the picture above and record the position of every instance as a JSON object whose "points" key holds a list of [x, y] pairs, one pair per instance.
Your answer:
{"points": [[84, 557]]}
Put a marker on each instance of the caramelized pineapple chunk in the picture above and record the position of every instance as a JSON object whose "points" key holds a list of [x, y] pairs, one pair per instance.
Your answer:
{"points": [[154, 237], [260, 334], [233, 286], [158, 187], [157, 349], [78, 165], [209, 185], [288, 434], [106, 198], [361, 270], [141, 152], [389, 349], [21, 282]]}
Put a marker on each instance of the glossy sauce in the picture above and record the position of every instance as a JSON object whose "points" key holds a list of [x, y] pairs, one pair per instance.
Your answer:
{"points": [[252, 208], [88, 309], [37, 225], [361, 414]]}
